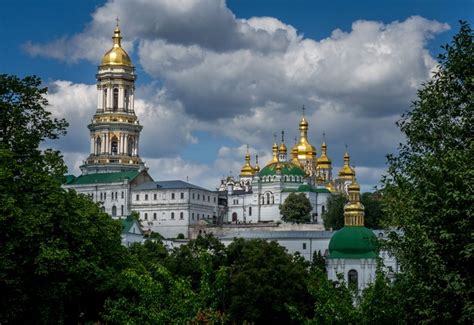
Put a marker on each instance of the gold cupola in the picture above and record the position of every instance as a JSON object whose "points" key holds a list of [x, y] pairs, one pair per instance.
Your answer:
{"points": [[306, 151], [354, 210], [116, 55], [346, 172], [294, 154], [247, 169], [274, 152], [324, 162], [282, 148], [257, 167]]}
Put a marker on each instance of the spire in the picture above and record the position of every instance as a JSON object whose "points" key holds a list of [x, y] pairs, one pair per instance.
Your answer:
{"points": [[354, 210], [117, 38], [346, 172], [282, 149], [274, 151], [247, 169], [257, 167]]}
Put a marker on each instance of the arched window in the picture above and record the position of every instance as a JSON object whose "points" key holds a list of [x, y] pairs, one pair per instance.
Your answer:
{"points": [[98, 145], [104, 99], [154, 215], [268, 198], [126, 99], [114, 211], [234, 217], [352, 279], [115, 99], [130, 145], [114, 146], [262, 200]]}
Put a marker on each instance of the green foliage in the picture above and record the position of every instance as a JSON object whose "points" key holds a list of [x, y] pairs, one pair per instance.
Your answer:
{"points": [[318, 262], [59, 251], [180, 236], [429, 192], [296, 208], [265, 283], [333, 217], [334, 301]]}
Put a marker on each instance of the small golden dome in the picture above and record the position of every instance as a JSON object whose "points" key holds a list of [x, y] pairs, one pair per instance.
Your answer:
{"points": [[330, 187], [346, 172], [257, 167], [274, 153], [303, 124], [116, 55], [247, 169], [282, 148], [324, 162]]}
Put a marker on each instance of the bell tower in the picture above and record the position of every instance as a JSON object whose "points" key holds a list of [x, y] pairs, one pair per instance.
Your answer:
{"points": [[114, 129]]}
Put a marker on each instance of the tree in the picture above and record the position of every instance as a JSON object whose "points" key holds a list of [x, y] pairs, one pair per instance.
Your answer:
{"points": [[429, 194], [59, 251], [333, 217], [296, 208], [266, 284]]}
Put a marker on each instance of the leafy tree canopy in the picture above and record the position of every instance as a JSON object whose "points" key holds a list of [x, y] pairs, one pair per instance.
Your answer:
{"points": [[429, 193], [296, 208]]}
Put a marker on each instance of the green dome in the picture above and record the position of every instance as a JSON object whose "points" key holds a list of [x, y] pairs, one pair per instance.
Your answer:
{"points": [[287, 168], [353, 242]]}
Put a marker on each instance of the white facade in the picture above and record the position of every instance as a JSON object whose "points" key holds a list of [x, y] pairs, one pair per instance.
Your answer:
{"points": [[358, 271], [260, 202], [170, 207]]}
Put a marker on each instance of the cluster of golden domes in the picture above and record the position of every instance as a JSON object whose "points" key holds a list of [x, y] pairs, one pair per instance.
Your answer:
{"points": [[304, 155]]}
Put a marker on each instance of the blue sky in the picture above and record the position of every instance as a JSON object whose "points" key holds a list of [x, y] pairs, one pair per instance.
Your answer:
{"points": [[241, 77]]}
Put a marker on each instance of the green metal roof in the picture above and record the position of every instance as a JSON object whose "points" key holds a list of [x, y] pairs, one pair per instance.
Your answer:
{"points": [[353, 242], [101, 178], [127, 223], [307, 188], [287, 168], [69, 178]]}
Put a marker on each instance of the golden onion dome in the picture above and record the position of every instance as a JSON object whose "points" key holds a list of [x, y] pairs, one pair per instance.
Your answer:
{"points": [[324, 161], [116, 55], [303, 124], [274, 153], [247, 169], [282, 148], [306, 151], [257, 167], [346, 172], [330, 187]]}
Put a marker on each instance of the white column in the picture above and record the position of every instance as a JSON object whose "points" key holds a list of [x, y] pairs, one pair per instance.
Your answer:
{"points": [[120, 99], [109, 96], [137, 138], [132, 100], [102, 144], [92, 145], [99, 98], [126, 145]]}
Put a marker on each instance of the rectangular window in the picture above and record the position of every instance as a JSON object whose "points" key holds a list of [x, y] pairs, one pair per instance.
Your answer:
{"points": [[137, 197], [172, 196], [154, 196], [172, 215], [208, 198], [192, 215], [181, 215], [122, 194], [193, 196], [146, 216], [182, 195], [304, 245], [250, 211], [121, 209], [199, 196], [154, 215], [214, 199], [105, 196], [146, 197]]}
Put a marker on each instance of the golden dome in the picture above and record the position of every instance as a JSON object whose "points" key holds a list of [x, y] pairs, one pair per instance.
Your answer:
{"points": [[303, 124], [275, 154], [324, 162], [354, 210], [282, 148], [116, 55], [294, 156], [330, 187], [346, 172], [247, 169], [257, 167]]}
